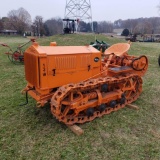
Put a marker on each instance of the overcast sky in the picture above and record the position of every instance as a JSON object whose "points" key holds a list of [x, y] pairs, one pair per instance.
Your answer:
{"points": [[109, 10]]}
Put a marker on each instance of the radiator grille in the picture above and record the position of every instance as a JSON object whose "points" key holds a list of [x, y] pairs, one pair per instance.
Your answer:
{"points": [[31, 68], [85, 60], [68, 62]]}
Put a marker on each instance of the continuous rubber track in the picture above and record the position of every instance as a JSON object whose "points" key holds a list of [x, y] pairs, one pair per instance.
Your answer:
{"points": [[127, 85]]}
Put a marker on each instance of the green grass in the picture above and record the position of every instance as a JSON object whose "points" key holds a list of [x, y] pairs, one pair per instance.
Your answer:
{"points": [[27, 132]]}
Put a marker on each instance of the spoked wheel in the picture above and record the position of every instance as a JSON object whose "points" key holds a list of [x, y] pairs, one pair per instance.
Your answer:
{"points": [[140, 63], [9, 55], [132, 88], [67, 105], [17, 57]]}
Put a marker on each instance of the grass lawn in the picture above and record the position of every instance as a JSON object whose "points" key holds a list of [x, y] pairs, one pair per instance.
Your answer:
{"points": [[27, 132]]}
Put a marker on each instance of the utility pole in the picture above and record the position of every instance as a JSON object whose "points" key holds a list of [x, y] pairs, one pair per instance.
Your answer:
{"points": [[79, 10]]}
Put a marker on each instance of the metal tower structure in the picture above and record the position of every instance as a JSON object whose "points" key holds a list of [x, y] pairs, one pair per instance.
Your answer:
{"points": [[79, 10]]}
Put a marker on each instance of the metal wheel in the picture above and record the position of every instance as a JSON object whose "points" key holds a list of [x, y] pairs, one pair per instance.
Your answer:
{"points": [[112, 104], [131, 88], [9, 55], [66, 103], [90, 112], [102, 107], [104, 87], [122, 100], [140, 63], [17, 57]]}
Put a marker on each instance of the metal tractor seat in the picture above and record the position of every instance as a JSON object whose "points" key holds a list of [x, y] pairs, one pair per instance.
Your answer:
{"points": [[118, 49]]}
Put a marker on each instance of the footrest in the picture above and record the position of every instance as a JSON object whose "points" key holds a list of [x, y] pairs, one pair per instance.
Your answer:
{"points": [[120, 69]]}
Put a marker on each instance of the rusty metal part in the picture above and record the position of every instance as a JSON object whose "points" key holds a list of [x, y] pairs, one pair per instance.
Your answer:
{"points": [[100, 85], [138, 65], [17, 56], [70, 108]]}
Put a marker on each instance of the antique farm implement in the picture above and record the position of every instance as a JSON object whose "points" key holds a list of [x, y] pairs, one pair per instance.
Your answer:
{"points": [[100, 45], [16, 56], [78, 83]]}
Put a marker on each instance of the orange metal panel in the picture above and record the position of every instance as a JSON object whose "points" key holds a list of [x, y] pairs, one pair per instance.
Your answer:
{"points": [[79, 84], [54, 66], [64, 50], [31, 68]]}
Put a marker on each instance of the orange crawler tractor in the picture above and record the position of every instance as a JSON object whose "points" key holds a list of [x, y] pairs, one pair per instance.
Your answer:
{"points": [[79, 84]]}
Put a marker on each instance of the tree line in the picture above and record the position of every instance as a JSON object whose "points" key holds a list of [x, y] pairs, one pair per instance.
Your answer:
{"points": [[20, 20], [140, 25]]}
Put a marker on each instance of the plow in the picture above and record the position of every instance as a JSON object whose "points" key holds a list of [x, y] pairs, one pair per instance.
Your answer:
{"points": [[16, 56], [81, 85]]}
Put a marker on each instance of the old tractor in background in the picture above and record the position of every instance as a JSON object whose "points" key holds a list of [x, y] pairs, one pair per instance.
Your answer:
{"points": [[69, 26], [16, 56], [132, 38], [78, 83]]}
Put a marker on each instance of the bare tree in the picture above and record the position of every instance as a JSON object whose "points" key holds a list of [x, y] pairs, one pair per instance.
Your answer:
{"points": [[144, 28], [54, 26], [1, 24], [6, 24], [155, 21], [38, 26], [105, 27], [20, 20], [130, 24], [140, 25]]}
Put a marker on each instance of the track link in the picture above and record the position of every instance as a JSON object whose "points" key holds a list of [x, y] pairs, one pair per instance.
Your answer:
{"points": [[85, 101]]}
